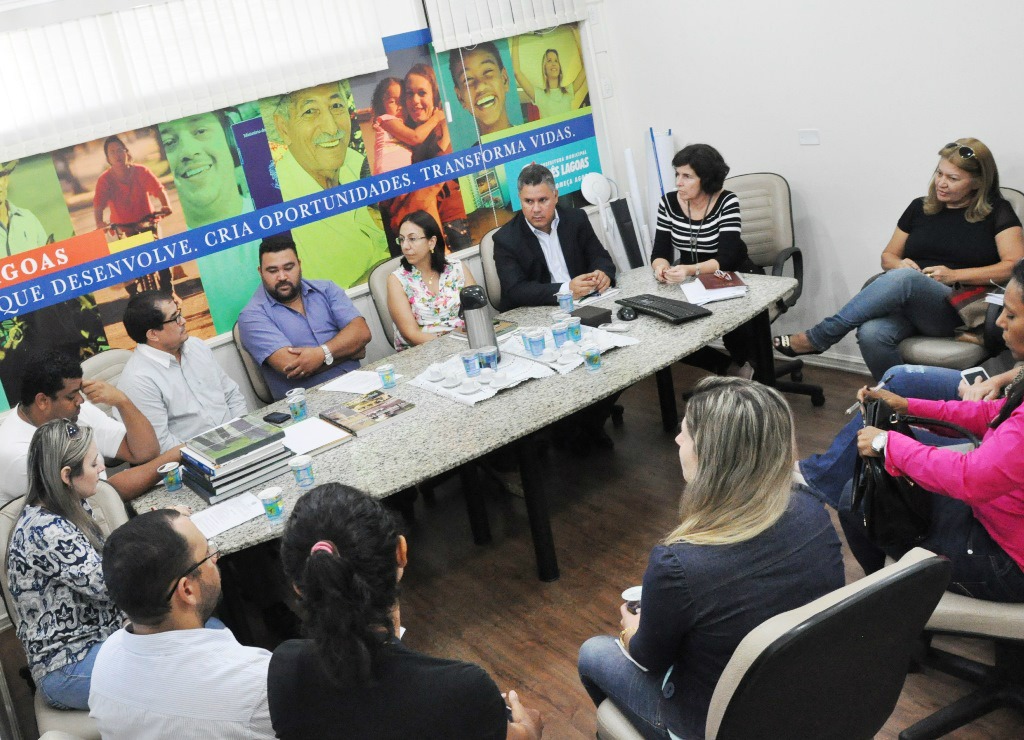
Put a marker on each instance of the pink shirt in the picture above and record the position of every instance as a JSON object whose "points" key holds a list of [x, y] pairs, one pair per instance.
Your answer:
{"points": [[989, 479]]}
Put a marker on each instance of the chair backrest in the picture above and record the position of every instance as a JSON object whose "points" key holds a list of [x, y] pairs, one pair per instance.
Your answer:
{"points": [[108, 511], [833, 668], [106, 366], [378, 282], [259, 385], [767, 214], [491, 281], [1016, 199]]}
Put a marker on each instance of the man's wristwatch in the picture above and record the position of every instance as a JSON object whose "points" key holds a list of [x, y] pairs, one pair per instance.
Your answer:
{"points": [[328, 357], [878, 443]]}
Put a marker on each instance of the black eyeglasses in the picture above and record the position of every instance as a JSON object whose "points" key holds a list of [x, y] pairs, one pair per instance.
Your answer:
{"points": [[214, 553], [176, 318], [962, 149], [72, 430]]}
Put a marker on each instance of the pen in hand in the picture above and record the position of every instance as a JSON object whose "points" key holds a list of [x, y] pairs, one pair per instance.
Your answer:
{"points": [[878, 387]]}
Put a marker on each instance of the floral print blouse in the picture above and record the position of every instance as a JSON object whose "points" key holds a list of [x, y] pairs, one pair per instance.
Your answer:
{"points": [[435, 313], [61, 605]]}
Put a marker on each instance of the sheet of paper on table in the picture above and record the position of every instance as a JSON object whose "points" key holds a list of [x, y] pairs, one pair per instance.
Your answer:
{"points": [[357, 381], [313, 436], [697, 294], [587, 300], [227, 514]]}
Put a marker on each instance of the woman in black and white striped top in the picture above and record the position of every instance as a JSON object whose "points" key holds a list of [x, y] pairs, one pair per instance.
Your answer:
{"points": [[699, 224], [699, 232]]}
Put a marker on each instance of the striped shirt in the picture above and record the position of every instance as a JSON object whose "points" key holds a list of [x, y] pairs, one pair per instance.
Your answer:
{"points": [[717, 234]]}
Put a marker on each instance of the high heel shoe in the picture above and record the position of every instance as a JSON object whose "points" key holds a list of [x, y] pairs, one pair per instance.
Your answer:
{"points": [[782, 345]]}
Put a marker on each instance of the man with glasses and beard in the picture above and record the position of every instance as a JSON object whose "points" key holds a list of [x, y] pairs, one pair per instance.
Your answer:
{"points": [[300, 332], [165, 675], [173, 378]]}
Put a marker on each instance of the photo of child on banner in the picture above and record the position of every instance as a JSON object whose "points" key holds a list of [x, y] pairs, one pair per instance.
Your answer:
{"points": [[32, 215], [122, 187], [549, 70], [316, 144], [406, 120], [205, 161], [479, 79]]}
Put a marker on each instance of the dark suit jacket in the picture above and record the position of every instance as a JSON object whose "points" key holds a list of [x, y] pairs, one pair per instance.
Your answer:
{"points": [[522, 270]]}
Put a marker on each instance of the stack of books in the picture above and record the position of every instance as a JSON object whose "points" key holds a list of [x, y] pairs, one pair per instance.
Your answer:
{"points": [[233, 458], [367, 413]]}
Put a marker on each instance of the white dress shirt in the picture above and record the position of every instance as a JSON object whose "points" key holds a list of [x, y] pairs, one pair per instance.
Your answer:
{"points": [[16, 437], [181, 399], [180, 685], [553, 255]]}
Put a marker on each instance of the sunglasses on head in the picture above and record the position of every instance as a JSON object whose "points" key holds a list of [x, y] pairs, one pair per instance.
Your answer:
{"points": [[963, 150]]}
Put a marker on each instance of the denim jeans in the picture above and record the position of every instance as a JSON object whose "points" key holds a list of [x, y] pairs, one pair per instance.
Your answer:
{"points": [[981, 568], [898, 304], [828, 473], [607, 673], [68, 687]]}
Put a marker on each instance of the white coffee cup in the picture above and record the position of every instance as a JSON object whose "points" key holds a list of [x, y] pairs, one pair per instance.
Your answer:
{"points": [[469, 386], [451, 379], [500, 377], [434, 373], [486, 375]]}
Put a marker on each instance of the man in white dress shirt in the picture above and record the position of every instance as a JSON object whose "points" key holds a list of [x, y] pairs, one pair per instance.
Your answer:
{"points": [[167, 676], [172, 377], [52, 388]]}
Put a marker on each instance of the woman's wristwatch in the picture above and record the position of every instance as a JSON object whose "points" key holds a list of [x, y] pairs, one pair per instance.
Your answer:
{"points": [[879, 442]]}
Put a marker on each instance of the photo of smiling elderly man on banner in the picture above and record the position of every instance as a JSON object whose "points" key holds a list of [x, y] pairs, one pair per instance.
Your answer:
{"points": [[204, 160], [316, 144]]}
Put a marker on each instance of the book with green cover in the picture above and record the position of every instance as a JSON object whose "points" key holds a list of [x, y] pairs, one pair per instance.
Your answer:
{"points": [[366, 413], [234, 439]]}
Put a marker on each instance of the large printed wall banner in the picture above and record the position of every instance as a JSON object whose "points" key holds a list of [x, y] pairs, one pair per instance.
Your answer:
{"points": [[181, 207]]}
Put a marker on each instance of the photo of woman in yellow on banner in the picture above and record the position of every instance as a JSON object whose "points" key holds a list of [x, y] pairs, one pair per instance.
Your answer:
{"points": [[549, 70], [317, 145], [204, 160]]}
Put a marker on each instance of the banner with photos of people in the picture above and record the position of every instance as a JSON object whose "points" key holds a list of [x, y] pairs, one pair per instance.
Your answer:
{"points": [[181, 207]]}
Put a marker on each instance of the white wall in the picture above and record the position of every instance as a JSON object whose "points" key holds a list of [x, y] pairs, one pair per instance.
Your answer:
{"points": [[886, 83]]}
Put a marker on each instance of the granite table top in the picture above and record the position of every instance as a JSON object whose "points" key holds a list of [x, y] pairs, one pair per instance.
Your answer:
{"points": [[440, 434]]}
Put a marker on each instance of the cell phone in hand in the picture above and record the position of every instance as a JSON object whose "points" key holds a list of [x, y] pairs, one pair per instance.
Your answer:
{"points": [[972, 374]]}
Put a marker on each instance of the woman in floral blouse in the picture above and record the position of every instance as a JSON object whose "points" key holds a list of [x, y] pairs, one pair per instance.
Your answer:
{"points": [[423, 294], [55, 573]]}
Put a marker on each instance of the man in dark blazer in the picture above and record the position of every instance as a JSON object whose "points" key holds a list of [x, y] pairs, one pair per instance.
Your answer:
{"points": [[545, 249]]}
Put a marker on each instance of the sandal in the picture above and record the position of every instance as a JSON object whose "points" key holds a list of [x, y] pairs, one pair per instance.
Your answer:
{"points": [[782, 345]]}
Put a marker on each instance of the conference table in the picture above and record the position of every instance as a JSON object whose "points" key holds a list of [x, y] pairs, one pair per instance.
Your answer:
{"points": [[440, 435]]}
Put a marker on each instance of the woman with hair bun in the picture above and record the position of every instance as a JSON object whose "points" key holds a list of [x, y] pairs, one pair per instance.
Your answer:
{"points": [[352, 677], [749, 545]]}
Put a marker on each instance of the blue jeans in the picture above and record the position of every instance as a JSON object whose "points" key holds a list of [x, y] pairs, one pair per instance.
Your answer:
{"points": [[828, 473], [607, 673], [981, 568], [68, 687], [898, 304]]}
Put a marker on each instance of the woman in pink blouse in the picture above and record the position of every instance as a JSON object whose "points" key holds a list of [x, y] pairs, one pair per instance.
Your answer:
{"points": [[423, 294], [978, 506]]}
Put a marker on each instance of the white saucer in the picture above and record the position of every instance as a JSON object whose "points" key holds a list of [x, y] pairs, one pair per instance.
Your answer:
{"points": [[470, 390]]}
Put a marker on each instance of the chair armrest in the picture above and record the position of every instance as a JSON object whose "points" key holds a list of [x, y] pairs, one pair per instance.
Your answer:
{"points": [[781, 258], [992, 335]]}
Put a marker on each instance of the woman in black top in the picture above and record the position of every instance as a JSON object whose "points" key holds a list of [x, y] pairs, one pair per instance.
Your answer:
{"points": [[962, 233], [698, 231], [353, 678]]}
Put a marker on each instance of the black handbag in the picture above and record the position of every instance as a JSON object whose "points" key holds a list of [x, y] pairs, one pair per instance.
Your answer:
{"points": [[897, 511]]}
